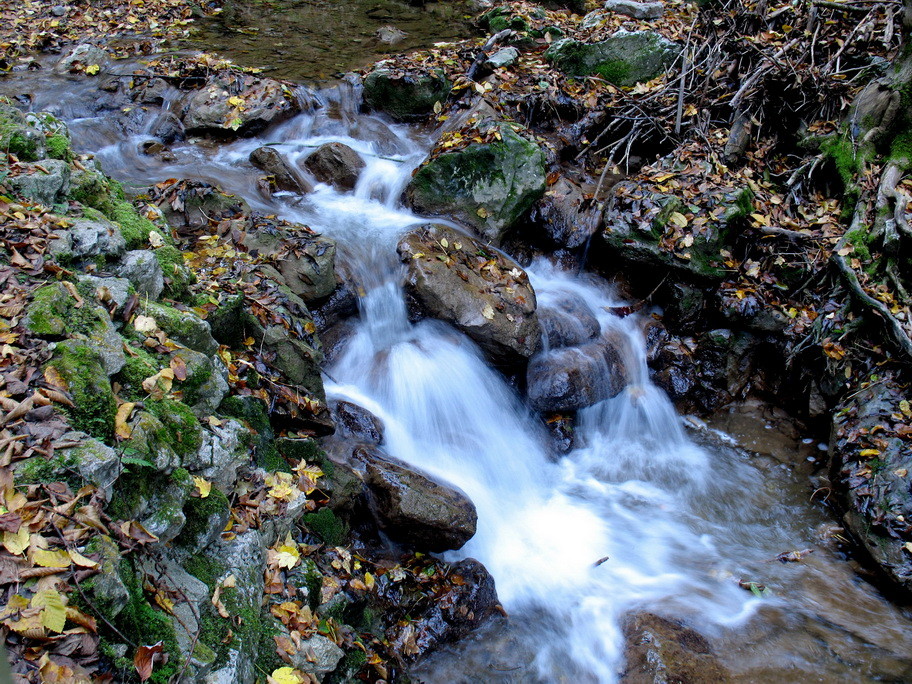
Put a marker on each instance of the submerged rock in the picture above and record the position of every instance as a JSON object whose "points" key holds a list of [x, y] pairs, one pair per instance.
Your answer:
{"points": [[405, 96], [356, 422], [489, 297], [488, 186], [624, 59], [335, 164]]}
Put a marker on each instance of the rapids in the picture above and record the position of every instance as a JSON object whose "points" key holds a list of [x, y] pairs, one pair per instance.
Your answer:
{"points": [[643, 514]]}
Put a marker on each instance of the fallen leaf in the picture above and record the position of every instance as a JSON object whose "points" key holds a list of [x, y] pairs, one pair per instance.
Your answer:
{"points": [[203, 486], [121, 428], [144, 660]]}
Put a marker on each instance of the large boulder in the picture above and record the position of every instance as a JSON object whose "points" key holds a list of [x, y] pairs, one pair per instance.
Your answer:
{"points": [[488, 186], [572, 378], [659, 650], [238, 104], [565, 216], [488, 297], [335, 164], [624, 59], [566, 320], [405, 96], [872, 465], [87, 239], [356, 422], [46, 182], [194, 204]]}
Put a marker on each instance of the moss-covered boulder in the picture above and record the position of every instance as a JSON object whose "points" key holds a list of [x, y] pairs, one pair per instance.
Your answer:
{"points": [[226, 446], [17, 137], [624, 59], [108, 591], [155, 500], [205, 384], [88, 240], [405, 96], [206, 518], [183, 326], [80, 366], [83, 461], [488, 186]]}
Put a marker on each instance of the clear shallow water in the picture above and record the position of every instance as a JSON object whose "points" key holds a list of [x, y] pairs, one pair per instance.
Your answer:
{"points": [[676, 520]]}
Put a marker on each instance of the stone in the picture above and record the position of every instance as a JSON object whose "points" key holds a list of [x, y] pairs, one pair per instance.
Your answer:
{"points": [[83, 460], [147, 437], [108, 591], [269, 160], [206, 383], [356, 422], [142, 269], [660, 650], [46, 185], [571, 378], [408, 96], [107, 342], [390, 35], [74, 62], [494, 304], [317, 656], [416, 509], [344, 481], [94, 407], [223, 452], [335, 164], [265, 102], [184, 327], [565, 216], [488, 186], [503, 58], [168, 128], [309, 269], [108, 290], [202, 203], [624, 59], [566, 320], [18, 137], [635, 10]]}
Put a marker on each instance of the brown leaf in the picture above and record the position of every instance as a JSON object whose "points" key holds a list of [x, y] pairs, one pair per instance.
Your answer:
{"points": [[137, 532], [144, 660], [179, 366]]}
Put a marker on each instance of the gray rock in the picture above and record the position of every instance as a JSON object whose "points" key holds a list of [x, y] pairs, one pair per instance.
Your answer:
{"points": [[503, 58], [356, 422], [76, 60], [47, 185], [494, 304], [108, 343], [224, 450], [142, 269], [344, 482], [146, 437], [306, 261], [407, 96], [18, 136], [635, 10], [109, 593], [317, 656], [94, 463], [594, 19], [572, 378], [624, 59], [565, 216], [488, 186], [335, 164], [206, 384], [390, 35], [202, 203], [414, 508], [58, 10], [269, 160], [266, 102], [168, 128], [108, 290]]}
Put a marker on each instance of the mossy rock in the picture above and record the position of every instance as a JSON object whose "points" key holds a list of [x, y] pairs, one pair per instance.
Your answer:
{"points": [[252, 412], [182, 430], [183, 326], [80, 366], [55, 313], [489, 186], [154, 499], [140, 364], [331, 529], [17, 137], [408, 96], [624, 59], [178, 278], [205, 520]]}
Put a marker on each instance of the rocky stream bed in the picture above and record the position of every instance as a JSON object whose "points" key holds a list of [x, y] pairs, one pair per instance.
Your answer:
{"points": [[509, 359]]}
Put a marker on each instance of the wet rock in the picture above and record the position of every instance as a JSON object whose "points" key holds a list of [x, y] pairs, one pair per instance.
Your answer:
{"points": [[142, 269], [416, 509], [46, 182], [566, 321], [405, 96], [561, 427], [341, 305], [263, 102], [335, 164], [355, 422], [168, 128], [88, 239], [660, 650], [564, 216], [684, 305], [572, 378], [635, 10], [624, 59], [390, 35], [489, 297], [344, 480], [76, 60], [488, 186], [317, 656], [874, 474], [269, 160], [672, 363], [224, 450], [503, 58]]}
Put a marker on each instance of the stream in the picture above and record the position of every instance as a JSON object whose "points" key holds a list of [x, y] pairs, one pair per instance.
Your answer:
{"points": [[644, 514]]}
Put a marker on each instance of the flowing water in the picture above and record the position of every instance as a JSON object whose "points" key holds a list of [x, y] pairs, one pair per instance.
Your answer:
{"points": [[642, 515]]}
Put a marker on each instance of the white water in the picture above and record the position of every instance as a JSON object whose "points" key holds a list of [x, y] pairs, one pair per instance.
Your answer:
{"points": [[679, 524]]}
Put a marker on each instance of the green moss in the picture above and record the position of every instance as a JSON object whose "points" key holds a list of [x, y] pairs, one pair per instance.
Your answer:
{"points": [[178, 277], [58, 147], [145, 625], [53, 313], [327, 526], [94, 405], [181, 429], [351, 663], [848, 160], [136, 369], [198, 511], [134, 228], [16, 137], [252, 412], [858, 238], [742, 207], [201, 374], [901, 148], [268, 659], [59, 468], [305, 450], [614, 71], [206, 569]]}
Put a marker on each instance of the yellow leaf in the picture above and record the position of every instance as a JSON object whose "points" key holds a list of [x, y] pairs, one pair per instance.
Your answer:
{"points": [[488, 312], [905, 408], [286, 675], [16, 542], [482, 212], [159, 384], [156, 239], [249, 342], [369, 580], [869, 452], [235, 101], [81, 560], [51, 559], [678, 219], [53, 605], [145, 324], [92, 69], [121, 429], [203, 486]]}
